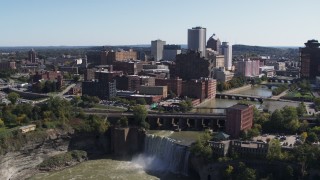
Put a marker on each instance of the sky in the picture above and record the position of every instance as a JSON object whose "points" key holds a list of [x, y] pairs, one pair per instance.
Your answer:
{"points": [[133, 22]]}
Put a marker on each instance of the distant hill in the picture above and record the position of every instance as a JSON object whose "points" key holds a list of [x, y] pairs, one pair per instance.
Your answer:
{"points": [[274, 52]]}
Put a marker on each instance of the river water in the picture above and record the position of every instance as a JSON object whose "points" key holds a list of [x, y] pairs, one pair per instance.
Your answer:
{"points": [[259, 90]]}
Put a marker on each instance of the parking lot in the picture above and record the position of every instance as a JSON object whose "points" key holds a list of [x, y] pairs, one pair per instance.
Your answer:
{"points": [[285, 140]]}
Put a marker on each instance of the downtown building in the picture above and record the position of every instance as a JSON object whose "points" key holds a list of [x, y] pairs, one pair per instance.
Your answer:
{"points": [[214, 43], [310, 60], [197, 40], [192, 66], [226, 50], [103, 86], [170, 52], [248, 68], [109, 57], [202, 88], [157, 49], [32, 56]]}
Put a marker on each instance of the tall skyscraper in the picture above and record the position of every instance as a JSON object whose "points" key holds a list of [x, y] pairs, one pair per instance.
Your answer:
{"points": [[214, 43], [226, 50], [157, 49], [32, 56], [197, 40], [309, 57]]}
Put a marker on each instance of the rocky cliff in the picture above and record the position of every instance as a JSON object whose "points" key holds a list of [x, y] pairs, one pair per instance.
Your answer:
{"points": [[21, 164]]}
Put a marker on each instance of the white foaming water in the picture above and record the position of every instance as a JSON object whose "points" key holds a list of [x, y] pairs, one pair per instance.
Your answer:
{"points": [[162, 154]]}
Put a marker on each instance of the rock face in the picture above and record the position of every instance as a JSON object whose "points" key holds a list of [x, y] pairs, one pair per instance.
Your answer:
{"points": [[21, 164]]}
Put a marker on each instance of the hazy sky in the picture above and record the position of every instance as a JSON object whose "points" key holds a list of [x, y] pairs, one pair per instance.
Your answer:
{"points": [[124, 22]]}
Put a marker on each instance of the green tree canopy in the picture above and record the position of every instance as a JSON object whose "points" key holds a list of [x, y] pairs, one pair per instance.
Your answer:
{"points": [[274, 151], [140, 114], [13, 97]]}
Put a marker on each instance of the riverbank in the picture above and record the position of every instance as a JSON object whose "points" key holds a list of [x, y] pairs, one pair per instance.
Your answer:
{"points": [[237, 89], [227, 92]]}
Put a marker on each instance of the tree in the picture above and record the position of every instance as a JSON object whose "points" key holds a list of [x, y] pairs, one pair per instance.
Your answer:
{"points": [[1, 123], [245, 173], [301, 109], [202, 147], [276, 120], [140, 114], [98, 124], [312, 137], [13, 97], [141, 101], [274, 151], [123, 121], [228, 172]]}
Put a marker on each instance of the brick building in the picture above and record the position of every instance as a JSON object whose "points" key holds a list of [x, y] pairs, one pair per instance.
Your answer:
{"points": [[310, 60], [109, 57], [128, 67], [174, 85], [128, 83], [239, 118], [154, 90], [204, 88], [5, 65], [103, 86], [46, 75]]}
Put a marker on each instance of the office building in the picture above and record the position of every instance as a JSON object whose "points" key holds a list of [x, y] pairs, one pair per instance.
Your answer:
{"points": [[103, 86], [157, 49], [310, 60], [239, 118], [192, 66], [32, 56], [226, 50], [197, 40], [170, 52], [248, 68], [214, 43]]}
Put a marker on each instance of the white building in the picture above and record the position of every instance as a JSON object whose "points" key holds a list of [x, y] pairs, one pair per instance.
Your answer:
{"points": [[197, 40], [226, 50], [157, 49]]}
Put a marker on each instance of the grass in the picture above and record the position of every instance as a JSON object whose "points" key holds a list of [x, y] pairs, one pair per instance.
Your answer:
{"points": [[300, 95]]}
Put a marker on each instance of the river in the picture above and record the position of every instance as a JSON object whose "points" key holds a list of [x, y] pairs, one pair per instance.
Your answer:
{"points": [[258, 90]]}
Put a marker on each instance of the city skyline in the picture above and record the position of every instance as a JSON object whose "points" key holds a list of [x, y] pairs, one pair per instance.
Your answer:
{"points": [[123, 22]]}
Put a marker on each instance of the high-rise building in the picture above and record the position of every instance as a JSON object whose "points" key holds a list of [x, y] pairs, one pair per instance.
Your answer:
{"points": [[157, 49], [226, 50], [214, 43], [239, 118], [310, 60], [197, 40], [32, 56], [249, 68], [192, 66], [170, 52]]}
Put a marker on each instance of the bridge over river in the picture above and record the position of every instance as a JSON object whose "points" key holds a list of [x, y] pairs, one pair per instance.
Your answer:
{"points": [[173, 121], [241, 97]]}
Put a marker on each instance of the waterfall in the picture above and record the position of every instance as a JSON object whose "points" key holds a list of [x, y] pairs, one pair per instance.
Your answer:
{"points": [[162, 154]]}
